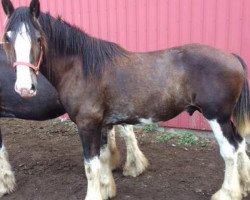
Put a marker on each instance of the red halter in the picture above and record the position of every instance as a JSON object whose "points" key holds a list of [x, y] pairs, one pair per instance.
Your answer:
{"points": [[34, 67]]}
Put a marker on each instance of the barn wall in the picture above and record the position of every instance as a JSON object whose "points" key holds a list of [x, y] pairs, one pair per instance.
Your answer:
{"points": [[147, 25]]}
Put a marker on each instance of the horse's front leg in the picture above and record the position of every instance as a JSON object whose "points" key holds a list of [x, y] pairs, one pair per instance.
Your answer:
{"points": [[136, 162], [101, 184], [7, 178], [115, 154], [108, 187]]}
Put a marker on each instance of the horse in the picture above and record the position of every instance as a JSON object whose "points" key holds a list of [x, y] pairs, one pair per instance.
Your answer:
{"points": [[100, 84], [12, 105]]}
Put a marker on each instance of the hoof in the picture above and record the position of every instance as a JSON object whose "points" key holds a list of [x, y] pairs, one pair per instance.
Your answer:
{"points": [[136, 166], [7, 178], [7, 184], [226, 195], [108, 190], [93, 197]]}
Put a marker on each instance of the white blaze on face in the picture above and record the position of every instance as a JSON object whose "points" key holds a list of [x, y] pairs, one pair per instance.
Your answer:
{"points": [[22, 48]]}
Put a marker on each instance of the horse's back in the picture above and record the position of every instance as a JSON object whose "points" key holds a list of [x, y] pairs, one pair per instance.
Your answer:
{"points": [[205, 58], [169, 81]]}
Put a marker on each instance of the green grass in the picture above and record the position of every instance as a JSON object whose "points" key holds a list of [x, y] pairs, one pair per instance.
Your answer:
{"points": [[165, 137], [150, 127], [183, 137]]}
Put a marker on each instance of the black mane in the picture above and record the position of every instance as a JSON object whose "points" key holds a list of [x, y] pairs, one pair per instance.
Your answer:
{"points": [[65, 39]]}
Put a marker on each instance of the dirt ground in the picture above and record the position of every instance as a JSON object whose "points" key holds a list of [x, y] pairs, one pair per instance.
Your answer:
{"points": [[47, 160]]}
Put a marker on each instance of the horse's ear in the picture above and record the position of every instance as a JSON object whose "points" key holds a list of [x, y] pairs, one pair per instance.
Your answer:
{"points": [[8, 7], [35, 8]]}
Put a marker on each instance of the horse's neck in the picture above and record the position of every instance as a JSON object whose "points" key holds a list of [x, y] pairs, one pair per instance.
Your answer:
{"points": [[60, 67]]}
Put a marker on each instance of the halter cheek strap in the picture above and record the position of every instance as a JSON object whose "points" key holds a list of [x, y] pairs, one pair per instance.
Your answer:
{"points": [[34, 67]]}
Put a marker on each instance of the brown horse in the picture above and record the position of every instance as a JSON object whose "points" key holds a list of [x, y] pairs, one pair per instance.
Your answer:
{"points": [[12, 105], [100, 84]]}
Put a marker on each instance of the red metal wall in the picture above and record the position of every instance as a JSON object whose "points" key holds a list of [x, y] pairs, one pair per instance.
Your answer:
{"points": [[146, 25]]}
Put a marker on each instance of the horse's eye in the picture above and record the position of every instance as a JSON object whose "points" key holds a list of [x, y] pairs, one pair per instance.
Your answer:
{"points": [[7, 38], [39, 40]]}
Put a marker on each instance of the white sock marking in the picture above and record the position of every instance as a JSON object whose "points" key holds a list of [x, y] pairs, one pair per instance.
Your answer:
{"points": [[92, 169], [226, 149], [136, 162], [231, 184]]}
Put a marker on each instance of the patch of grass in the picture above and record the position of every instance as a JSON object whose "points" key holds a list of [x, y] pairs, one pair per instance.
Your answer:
{"points": [[188, 138], [165, 137], [150, 127], [184, 137]]}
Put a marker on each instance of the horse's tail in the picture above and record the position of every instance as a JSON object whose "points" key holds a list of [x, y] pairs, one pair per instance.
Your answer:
{"points": [[241, 113]]}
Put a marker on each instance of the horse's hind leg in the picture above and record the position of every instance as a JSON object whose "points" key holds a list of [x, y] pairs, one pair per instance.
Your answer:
{"points": [[244, 168], [115, 154], [136, 162], [7, 178], [229, 141]]}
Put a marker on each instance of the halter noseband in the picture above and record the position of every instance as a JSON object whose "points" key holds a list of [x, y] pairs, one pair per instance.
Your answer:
{"points": [[34, 67]]}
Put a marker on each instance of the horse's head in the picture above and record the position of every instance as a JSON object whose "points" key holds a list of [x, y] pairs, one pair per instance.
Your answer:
{"points": [[24, 44]]}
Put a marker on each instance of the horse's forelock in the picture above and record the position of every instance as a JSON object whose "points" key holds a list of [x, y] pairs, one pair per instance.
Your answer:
{"points": [[22, 16]]}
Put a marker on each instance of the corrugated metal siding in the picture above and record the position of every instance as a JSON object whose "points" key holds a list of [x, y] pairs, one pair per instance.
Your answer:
{"points": [[147, 25]]}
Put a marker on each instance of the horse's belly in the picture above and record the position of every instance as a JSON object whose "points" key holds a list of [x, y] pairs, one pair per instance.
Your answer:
{"points": [[145, 115]]}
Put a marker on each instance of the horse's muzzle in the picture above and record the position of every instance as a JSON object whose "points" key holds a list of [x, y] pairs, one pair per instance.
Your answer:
{"points": [[25, 92]]}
